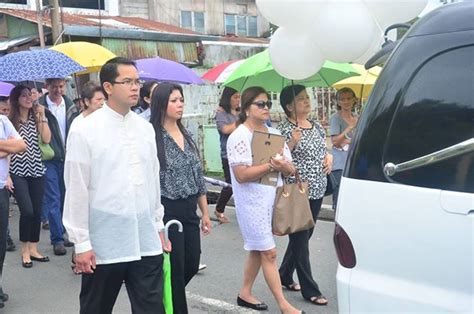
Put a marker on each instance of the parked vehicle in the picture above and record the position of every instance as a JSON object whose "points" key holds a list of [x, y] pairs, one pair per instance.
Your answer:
{"points": [[405, 217]]}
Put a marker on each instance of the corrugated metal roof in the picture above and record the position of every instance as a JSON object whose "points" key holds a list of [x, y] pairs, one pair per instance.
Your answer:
{"points": [[129, 27], [183, 52], [116, 22]]}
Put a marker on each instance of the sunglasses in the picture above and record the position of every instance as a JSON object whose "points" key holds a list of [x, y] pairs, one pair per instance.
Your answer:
{"points": [[261, 104]]}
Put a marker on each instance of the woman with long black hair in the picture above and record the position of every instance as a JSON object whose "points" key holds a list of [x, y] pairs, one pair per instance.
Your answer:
{"points": [[27, 170], [182, 187]]}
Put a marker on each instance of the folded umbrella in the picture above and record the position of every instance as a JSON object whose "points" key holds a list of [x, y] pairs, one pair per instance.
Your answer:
{"points": [[167, 288], [34, 65]]}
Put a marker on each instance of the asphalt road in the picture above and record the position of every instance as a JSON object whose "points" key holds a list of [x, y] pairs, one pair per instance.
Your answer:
{"points": [[52, 287]]}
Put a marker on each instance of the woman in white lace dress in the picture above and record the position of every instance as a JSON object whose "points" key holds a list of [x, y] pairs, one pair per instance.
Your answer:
{"points": [[254, 201]]}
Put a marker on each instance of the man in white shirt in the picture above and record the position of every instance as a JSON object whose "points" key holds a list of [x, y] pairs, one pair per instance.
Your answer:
{"points": [[113, 210], [59, 117]]}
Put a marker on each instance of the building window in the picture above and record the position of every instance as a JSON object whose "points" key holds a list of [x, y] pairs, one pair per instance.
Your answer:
{"points": [[83, 4], [242, 25], [252, 31], [193, 21], [14, 1], [229, 20]]}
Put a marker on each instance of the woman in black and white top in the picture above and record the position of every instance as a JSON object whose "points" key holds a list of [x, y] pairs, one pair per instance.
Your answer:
{"points": [[27, 170], [182, 187], [307, 141]]}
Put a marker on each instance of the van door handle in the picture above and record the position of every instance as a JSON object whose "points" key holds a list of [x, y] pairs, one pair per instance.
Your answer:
{"points": [[467, 146]]}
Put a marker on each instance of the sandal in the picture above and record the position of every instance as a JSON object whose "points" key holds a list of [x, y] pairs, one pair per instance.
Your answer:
{"points": [[292, 286], [221, 217], [319, 300]]}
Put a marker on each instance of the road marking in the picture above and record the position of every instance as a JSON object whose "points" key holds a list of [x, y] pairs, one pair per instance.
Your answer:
{"points": [[219, 305]]}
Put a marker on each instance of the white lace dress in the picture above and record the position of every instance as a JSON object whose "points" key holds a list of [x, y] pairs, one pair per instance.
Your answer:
{"points": [[253, 201]]}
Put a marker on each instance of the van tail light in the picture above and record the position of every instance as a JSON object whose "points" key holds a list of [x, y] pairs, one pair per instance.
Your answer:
{"points": [[344, 249]]}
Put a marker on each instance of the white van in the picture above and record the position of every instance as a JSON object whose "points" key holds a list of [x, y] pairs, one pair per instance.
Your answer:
{"points": [[405, 216]]}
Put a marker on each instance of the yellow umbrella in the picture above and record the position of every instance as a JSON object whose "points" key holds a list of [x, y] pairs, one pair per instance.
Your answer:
{"points": [[89, 55], [362, 84]]}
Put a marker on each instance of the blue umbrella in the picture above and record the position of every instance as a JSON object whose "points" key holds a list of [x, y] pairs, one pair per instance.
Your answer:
{"points": [[36, 65]]}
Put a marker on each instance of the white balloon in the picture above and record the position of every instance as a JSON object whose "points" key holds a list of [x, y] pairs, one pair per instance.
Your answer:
{"points": [[375, 46], [388, 12], [295, 54], [291, 13], [345, 30]]}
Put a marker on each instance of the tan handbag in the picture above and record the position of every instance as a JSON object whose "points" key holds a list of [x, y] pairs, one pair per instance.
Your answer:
{"points": [[291, 212]]}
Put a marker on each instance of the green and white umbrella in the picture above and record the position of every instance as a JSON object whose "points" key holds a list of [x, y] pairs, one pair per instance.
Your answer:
{"points": [[258, 71]]}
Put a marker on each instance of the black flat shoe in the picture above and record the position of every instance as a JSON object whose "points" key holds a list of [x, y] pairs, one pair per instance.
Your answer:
{"points": [[26, 264], [39, 259], [258, 306], [4, 297]]}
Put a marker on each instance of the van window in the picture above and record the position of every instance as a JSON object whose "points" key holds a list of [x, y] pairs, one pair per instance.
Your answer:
{"points": [[437, 111]]}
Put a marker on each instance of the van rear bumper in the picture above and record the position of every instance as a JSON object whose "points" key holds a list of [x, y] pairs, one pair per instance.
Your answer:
{"points": [[343, 278]]}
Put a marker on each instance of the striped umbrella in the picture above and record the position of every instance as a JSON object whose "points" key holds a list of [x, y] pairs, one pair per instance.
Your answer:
{"points": [[221, 72]]}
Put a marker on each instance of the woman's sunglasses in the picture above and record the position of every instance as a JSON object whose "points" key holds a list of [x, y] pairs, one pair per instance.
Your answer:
{"points": [[261, 104]]}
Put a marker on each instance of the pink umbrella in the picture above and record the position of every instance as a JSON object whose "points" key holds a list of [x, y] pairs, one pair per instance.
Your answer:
{"points": [[221, 72]]}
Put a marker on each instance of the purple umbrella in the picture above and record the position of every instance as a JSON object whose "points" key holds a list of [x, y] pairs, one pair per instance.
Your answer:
{"points": [[5, 89], [164, 70]]}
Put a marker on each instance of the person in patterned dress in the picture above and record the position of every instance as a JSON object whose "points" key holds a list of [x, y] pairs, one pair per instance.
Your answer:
{"points": [[307, 141], [27, 171]]}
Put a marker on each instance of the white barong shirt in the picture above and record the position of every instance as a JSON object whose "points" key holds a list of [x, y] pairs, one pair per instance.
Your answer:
{"points": [[112, 175]]}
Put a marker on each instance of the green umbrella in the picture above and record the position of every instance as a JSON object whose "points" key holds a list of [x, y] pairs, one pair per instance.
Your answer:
{"points": [[258, 71], [167, 290]]}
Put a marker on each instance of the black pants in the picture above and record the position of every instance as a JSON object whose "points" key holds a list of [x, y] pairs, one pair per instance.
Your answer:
{"points": [[143, 280], [186, 247], [338, 176], [226, 193], [4, 207], [297, 257], [29, 194]]}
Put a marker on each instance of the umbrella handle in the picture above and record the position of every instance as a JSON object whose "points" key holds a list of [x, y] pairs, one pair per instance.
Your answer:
{"points": [[167, 226]]}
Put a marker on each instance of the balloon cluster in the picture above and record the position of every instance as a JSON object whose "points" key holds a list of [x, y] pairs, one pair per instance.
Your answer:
{"points": [[312, 31]]}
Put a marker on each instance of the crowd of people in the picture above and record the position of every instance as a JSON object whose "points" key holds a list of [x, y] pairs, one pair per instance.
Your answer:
{"points": [[123, 165]]}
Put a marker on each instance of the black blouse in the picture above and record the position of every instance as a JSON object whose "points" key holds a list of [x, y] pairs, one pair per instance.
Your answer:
{"points": [[183, 175]]}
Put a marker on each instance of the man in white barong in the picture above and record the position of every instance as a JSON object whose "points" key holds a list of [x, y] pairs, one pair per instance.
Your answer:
{"points": [[113, 212]]}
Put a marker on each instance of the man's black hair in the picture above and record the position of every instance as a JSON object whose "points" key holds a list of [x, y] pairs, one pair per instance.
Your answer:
{"points": [[109, 71]]}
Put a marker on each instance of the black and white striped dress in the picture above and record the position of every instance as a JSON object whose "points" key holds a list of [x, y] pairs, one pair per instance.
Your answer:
{"points": [[28, 163]]}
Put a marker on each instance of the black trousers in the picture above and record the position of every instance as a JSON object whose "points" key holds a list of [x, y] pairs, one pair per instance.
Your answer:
{"points": [[143, 280], [226, 193], [297, 257], [4, 207], [29, 194], [186, 247]]}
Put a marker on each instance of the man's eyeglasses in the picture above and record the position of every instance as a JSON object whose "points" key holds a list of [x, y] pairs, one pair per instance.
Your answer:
{"points": [[261, 104], [130, 83]]}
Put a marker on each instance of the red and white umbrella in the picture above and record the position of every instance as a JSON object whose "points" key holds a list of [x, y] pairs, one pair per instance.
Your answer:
{"points": [[221, 72]]}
